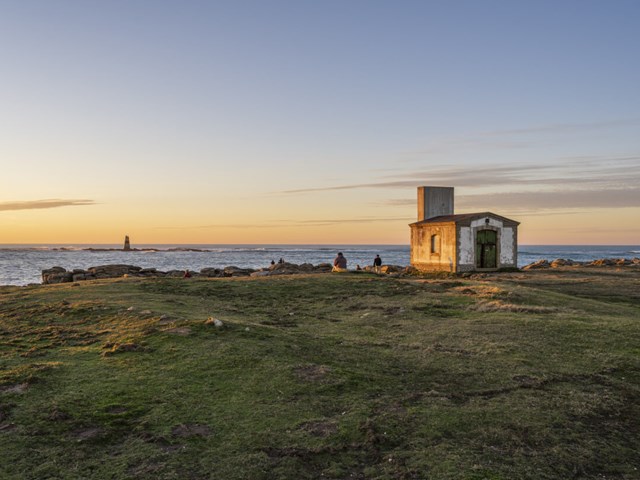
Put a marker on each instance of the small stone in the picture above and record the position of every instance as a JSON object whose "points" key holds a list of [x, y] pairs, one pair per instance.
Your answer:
{"points": [[145, 312], [215, 322], [130, 309]]}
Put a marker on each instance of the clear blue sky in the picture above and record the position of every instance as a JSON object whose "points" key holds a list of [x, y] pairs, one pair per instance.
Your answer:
{"points": [[279, 121]]}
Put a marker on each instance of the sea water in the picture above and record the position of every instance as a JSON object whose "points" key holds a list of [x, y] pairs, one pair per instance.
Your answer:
{"points": [[22, 264]]}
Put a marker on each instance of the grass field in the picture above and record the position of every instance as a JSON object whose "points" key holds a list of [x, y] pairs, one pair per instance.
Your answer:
{"points": [[338, 376]]}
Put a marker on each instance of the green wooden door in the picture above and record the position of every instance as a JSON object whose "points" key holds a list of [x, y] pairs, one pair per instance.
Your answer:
{"points": [[486, 249]]}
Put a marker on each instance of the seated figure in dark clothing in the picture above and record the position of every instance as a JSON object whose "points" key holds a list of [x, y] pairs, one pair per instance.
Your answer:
{"points": [[340, 263]]}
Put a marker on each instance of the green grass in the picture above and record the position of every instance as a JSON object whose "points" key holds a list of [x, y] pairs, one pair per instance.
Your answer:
{"points": [[513, 376]]}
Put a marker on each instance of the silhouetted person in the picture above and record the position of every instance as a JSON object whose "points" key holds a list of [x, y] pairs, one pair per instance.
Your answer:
{"points": [[340, 263], [377, 263]]}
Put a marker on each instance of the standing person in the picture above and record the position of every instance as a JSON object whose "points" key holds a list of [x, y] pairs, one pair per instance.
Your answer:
{"points": [[377, 263], [339, 263]]}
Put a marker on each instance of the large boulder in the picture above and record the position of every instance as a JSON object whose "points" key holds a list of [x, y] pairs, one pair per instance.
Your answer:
{"points": [[562, 262], [261, 273], [537, 265], [212, 272], [284, 268], [323, 268], [175, 274], [113, 271], [56, 275], [391, 269], [602, 262], [232, 271]]}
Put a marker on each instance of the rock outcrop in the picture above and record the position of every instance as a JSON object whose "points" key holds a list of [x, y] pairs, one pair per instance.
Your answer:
{"points": [[601, 262], [61, 275], [56, 275]]}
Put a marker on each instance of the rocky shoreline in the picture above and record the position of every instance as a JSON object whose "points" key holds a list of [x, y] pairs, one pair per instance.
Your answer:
{"points": [[566, 262], [61, 275]]}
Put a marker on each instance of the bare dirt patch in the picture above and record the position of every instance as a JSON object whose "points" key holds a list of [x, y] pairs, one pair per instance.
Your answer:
{"points": [[7, 427], [319, 428], [16, 388], [312, 373], [57, 415]]}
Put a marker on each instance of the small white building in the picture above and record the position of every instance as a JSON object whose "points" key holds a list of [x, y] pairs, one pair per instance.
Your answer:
{"points": [[442, 241]]}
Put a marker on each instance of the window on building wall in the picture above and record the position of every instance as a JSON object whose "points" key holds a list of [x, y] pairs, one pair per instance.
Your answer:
{"points": [[435, 244]]}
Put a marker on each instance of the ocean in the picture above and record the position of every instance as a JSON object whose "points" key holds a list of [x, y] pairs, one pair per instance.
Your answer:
{"points": [[22, 264]]}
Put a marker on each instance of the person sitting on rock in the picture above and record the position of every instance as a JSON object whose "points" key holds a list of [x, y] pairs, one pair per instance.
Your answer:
{"points": [[340, 263]]}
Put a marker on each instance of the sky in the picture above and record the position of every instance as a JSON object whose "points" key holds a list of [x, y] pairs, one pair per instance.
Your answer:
{"points": [[299, 121]]}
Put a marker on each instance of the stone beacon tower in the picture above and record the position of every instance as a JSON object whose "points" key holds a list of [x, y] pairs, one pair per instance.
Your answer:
{"points": [[127, 245]]}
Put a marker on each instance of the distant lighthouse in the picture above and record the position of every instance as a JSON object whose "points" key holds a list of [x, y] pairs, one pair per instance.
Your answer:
{"points": [[127, 245]]}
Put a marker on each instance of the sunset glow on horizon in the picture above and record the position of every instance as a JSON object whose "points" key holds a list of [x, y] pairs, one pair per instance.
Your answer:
{"points": [[313, 123]]}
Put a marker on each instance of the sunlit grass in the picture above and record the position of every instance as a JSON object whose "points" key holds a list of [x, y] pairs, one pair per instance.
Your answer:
{"points": [[327, 376]]}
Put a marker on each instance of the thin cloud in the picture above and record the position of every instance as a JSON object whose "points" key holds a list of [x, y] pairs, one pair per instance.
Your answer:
{"points": [[566, 127], [341, 221], [568, 199], [41, 204], [533, 203], [586, 172], [296, 223], [473, 144]]}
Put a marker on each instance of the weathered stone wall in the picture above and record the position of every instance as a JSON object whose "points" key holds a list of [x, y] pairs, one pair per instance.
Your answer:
{"points": [[444, 260]]}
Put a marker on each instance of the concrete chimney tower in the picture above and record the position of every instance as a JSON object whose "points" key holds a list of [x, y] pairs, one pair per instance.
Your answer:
{"points": [[434, 202]]}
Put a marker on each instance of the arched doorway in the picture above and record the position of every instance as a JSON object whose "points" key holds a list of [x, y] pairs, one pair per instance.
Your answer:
{"points": [[486, 249]]}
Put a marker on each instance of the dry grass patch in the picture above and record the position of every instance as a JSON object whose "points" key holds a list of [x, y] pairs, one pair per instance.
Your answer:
{"points": [[486, 306], [483, 291]]}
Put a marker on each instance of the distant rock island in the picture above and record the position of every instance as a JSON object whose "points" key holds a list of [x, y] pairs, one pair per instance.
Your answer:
{"points": [[177, 249], [127, 248]]}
